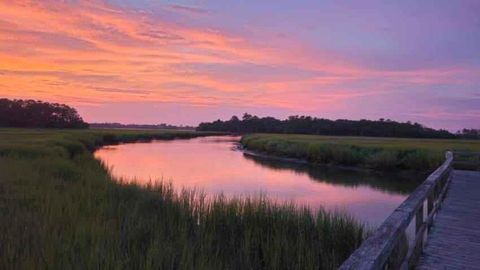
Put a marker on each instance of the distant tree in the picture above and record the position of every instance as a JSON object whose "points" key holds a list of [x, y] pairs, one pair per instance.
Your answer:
{"points": [[38, 114], [469, 133], [247, 116], [342, 127]]}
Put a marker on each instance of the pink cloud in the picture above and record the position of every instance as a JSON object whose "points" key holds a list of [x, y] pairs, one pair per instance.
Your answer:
{"points": [[94, 53]]}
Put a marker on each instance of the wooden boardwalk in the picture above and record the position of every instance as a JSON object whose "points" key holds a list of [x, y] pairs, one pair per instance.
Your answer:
{"points": [[445, 212], [454, 239]]}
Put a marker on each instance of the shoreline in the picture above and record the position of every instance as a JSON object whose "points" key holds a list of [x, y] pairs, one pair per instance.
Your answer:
{"points": [[110, 139], [301, 161], [378, 156]]}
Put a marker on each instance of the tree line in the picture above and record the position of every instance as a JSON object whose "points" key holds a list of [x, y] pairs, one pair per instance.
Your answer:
{"points": [[311, 125], [466, 133], [38, 114]]}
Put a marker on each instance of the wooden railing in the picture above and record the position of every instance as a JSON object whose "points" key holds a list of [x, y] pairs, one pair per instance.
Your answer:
{"points": [[399, 241]]}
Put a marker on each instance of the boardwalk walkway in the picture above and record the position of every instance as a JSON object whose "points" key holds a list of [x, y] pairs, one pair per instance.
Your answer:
{"points": [[454, 240], [445, 212]]}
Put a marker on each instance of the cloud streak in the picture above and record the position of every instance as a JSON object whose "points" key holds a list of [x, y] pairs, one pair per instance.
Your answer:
{"points": [[98, 53]]}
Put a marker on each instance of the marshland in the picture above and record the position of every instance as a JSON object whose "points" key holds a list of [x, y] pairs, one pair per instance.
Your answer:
{"points": [[77, 197], [60, 208]]}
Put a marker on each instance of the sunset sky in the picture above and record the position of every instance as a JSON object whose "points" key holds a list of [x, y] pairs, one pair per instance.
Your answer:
{"points": [[183, 62]]}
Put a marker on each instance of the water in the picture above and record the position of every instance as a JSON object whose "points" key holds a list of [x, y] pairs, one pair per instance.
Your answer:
{"points": [[215, 165]]}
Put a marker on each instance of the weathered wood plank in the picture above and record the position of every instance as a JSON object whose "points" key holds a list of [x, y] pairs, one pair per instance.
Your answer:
{"points": [[454, 240]]}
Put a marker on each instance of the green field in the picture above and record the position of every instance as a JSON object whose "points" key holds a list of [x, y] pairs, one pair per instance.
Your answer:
{"points": [[60, 209], [366, 152]]}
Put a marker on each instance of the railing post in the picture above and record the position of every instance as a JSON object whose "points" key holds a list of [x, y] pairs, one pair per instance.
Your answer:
{"points": [[419, 218], [430, 201]]}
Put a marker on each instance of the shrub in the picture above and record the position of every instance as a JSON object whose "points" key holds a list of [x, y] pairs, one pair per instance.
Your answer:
{"points": [[383, 159], [345, 155], [420, 159]]}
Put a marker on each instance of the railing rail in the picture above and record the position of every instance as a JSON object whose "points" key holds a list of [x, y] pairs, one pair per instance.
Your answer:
{"points": [[388, 246]]}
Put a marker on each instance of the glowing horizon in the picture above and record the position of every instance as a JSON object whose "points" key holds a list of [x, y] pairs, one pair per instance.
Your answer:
{"points": [[184, 62]]}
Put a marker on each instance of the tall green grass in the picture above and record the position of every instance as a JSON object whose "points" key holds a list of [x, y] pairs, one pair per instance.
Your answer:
{"points": [[60, 209], [373, 153]]}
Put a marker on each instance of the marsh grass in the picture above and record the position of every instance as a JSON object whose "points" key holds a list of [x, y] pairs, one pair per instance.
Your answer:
{"points": [[60, 209], [365, 152]]}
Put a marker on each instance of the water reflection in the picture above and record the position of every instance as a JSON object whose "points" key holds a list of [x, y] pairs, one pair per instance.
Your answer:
{"points": [[395, 183], [215, 165]]}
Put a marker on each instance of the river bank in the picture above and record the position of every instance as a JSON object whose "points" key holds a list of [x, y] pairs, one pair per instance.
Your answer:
{"points": [[381, 154]]}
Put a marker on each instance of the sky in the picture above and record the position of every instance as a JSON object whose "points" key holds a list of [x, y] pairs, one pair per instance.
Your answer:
{"points": [[184, 62]]}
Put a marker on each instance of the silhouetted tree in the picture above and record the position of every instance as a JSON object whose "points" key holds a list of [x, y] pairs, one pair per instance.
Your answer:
{"points": [[38, 114], [469, 133], [310, 125]]}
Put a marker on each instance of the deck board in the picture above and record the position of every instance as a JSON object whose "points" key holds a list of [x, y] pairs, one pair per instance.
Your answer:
{"points": [[454, 240]]}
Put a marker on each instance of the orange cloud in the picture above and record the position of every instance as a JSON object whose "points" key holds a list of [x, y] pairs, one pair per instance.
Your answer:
{"points": [[90, 52]]}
